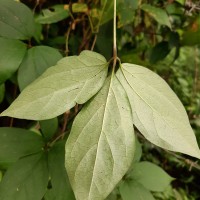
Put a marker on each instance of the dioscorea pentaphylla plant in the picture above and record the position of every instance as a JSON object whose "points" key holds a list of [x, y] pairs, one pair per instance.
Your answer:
{"points": [[100, 147]]}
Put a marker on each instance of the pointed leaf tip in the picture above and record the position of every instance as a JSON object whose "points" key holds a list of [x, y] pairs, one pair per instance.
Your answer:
{"points": [[100, 147], [157, 112], [75, 79]]}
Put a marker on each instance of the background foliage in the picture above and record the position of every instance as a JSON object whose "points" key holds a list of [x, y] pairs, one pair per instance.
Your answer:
{"points": [[34, 35]]}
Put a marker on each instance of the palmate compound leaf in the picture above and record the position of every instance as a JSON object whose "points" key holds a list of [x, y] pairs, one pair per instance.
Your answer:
{"points": [[74, 79], [157, 112], [101, 144]]}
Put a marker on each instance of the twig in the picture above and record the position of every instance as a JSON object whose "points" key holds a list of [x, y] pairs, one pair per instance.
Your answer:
{"points": [[94, 42], [66, 117]]}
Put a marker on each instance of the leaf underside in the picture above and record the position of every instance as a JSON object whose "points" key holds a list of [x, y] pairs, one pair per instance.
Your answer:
{"points": [[100, 147], [74, 79], [157, 112]]}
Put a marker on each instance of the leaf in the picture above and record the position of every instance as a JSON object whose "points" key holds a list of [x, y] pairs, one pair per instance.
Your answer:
{"points": [[59, 179], [191, 38], [2, 92], [158, 14], [159, 52], [16, 20], [52, 15], [74, 79], [79, 7], [16, 143], [132, 189], [126, 11], [13, 52], [100, 147], [36, 61], [138, 151], [49, 127], [26, 180], [100, 15], [50, 195], [1, 175], [151, 176], [157, 112]]}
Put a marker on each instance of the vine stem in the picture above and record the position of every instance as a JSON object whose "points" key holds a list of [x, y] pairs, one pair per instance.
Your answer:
{"points": [[115, 34]]}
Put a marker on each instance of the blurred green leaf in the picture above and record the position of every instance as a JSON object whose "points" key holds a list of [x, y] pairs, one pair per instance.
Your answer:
{"points": [[59, 179], [26, 180], [49, 127], [53, 14], [50, 195], [1, 175], [35, 62], [126, 11], [130, 190], [159, 52], [101, 14], [79, 7], [16, 20], [191, 38], [151, 176], [16, 143], [2, 92], [13, 52], [158, 14], [132, 57]]}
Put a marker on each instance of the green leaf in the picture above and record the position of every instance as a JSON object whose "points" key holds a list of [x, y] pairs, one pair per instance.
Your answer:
{"points": [[151, 176], [159, 52], [100, 147], [50, 195], [59, 179], [126, 11], [157, 112], [158, 14], [36, 61], [49, 127], [191, 38], [1, 175], [101, 15], [132, 190], [52, 15], [138, 151], [2, 92], [26, 180], [13, 52], [16, 20], [74, 79], [79, 7], [16, 143]]}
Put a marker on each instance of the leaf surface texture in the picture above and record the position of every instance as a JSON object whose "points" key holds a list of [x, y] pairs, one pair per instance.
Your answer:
{"points": [[100, 147], [74, 79], [157, 111]]}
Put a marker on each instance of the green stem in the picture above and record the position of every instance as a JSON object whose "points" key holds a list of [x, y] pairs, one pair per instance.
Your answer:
{"points": [[114, 31]]}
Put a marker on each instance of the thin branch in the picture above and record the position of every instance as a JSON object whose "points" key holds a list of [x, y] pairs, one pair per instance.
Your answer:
{"points": [[65, 121], [94, 42]]}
